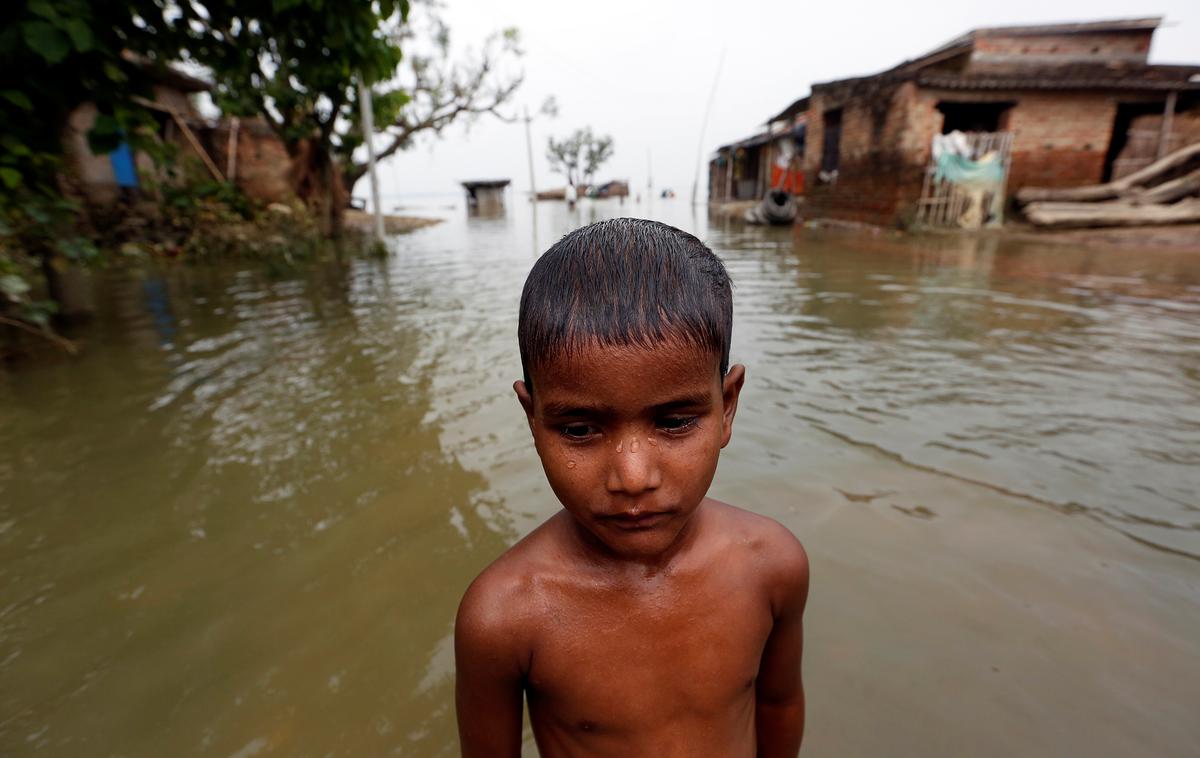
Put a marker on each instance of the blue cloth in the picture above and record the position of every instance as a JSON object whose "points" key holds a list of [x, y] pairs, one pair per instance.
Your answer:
{"points": [[959, 170], [123, 168]]}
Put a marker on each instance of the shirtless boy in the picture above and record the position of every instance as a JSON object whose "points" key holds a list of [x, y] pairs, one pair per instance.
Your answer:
{"points": [[644, 619]]}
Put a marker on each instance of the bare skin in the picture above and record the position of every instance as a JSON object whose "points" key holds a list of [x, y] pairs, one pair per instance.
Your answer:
{"points": [[645, 618]]}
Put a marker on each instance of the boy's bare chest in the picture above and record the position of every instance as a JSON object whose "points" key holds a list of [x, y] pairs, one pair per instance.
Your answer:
{"points": [[623, 658]]}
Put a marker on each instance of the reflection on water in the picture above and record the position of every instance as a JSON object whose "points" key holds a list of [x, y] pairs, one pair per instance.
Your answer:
{"points": [[240, 522]]}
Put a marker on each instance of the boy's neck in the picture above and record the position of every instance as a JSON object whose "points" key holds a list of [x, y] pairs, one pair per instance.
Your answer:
{"points": [[591, 549]]}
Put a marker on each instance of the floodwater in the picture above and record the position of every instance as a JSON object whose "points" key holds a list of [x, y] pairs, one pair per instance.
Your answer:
{"points": [[238, 524]]}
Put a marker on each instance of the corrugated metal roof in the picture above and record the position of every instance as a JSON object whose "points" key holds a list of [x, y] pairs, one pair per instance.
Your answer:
{"points": [[797, 106], [761, 138]]}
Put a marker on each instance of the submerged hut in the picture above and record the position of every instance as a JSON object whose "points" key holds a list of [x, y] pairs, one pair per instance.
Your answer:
{"points": [[486, 196]]}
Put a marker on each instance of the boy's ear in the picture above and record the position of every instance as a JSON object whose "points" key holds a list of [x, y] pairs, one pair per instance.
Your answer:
{"points": [[731, 389], [526, 401]]}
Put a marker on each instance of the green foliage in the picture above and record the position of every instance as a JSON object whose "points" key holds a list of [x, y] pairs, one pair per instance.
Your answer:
{"points": [[53, 57], [295, 62], [187, 198]]}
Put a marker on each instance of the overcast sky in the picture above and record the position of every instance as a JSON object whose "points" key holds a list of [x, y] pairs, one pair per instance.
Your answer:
{"points": [[641, 70]]}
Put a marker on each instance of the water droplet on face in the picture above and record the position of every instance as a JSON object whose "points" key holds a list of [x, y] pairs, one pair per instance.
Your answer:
{"points": [[652, 441], [570, 464], [633, 446], [619, 446]]}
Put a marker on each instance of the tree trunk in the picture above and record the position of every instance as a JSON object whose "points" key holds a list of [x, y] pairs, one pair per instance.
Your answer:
{"points": [[318, 184], [350, 176], [69, 286]]}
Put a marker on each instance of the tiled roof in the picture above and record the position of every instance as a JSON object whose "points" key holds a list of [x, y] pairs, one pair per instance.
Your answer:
{"points": [[1063, 77]]}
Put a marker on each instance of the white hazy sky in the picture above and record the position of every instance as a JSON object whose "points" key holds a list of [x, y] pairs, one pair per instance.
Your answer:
{"points": [[641, 71]]}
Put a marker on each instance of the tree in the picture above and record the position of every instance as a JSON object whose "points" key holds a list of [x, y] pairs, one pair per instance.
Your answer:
{"points": [[297, 63], [596, 151], [431, 91], [579, 155]]}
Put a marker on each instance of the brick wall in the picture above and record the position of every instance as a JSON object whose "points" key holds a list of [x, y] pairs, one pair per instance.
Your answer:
{"points": [[1099, 46], [881, 163], [263, 164], [1060, 138]]}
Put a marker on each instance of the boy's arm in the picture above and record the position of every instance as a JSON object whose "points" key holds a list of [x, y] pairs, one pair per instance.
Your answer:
{"points": [[489, 676], [779, 692]]}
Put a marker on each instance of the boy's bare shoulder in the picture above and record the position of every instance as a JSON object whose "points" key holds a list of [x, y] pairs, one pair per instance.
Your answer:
{"points": [[769, 546], [503, 600]]}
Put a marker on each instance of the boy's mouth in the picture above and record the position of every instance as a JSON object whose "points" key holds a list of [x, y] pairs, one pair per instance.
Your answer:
{"points": [[634, 521]]}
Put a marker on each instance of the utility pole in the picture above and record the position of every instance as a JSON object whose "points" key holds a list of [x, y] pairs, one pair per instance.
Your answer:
{"points": [[712, 93], [368, 127], [529, 154], [649, 180]]}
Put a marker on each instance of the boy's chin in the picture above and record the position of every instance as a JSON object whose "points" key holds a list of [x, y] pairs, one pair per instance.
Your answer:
{"points": [[638, 544]]}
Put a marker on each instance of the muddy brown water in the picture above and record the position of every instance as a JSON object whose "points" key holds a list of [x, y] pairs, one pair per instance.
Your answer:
{"points": [[238, 524]]}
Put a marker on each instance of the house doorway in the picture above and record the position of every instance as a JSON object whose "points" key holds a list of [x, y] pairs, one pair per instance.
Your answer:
{"points": [[974, 117], [1131, 148]]}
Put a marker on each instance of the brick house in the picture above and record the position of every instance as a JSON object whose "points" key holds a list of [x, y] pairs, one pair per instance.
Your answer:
{"points": [[1081, 101]]}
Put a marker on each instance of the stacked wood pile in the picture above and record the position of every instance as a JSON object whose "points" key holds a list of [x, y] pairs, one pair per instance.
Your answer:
{"points": [[1165, 192]]}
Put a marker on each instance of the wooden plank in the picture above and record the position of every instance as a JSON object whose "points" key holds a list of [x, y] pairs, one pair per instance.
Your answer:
{"points": [[1164, 136], [1059, 215], [195, 143], [1115, 188]]}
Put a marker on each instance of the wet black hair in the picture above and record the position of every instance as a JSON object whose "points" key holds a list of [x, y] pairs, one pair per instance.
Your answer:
{"points": [[624, 281]]}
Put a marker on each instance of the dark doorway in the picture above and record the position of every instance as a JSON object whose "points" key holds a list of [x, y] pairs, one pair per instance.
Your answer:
{"points": [[1140, 153], [974, 117], [831, 148]]}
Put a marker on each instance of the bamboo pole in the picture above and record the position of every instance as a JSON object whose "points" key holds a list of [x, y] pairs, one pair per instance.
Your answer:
{"points": [[231, 149], [195, 143], [1164, 134]]}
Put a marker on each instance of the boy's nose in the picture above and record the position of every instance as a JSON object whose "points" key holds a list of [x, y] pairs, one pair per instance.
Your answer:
{"points": [[633, 468]]}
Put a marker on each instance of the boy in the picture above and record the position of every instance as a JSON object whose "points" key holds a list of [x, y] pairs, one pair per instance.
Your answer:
{"points": [[644, 619]]}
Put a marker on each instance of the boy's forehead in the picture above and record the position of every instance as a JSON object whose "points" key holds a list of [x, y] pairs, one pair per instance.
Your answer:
{"points": [[663, 367]]}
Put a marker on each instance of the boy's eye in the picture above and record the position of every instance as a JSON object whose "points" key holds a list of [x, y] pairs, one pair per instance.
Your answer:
{"points": [[676, 423], [577, 431]]}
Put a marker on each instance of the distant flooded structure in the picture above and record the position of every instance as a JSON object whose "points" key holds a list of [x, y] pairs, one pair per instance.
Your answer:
{"points": [[485, 197], [743, 171], [1055, 105]]}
